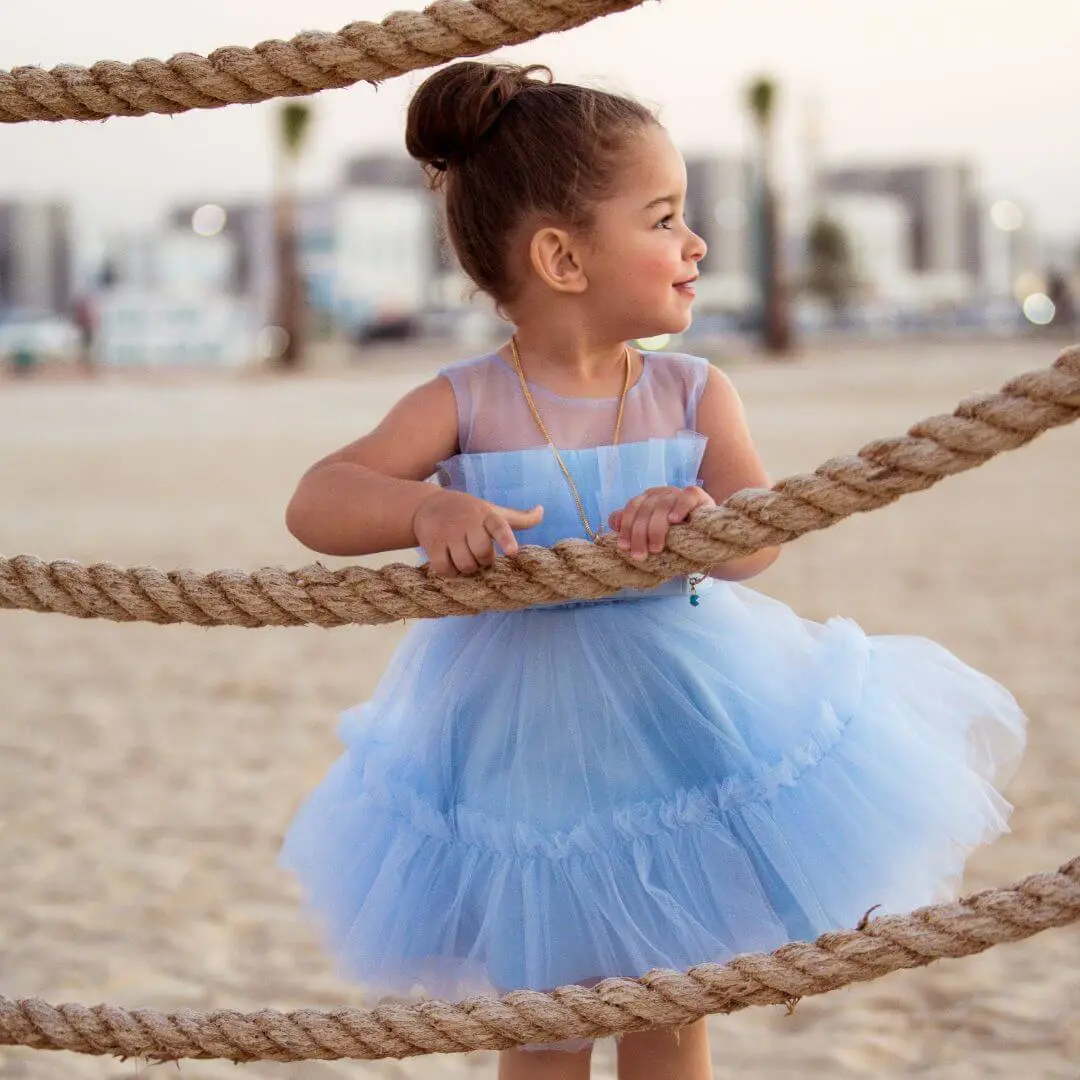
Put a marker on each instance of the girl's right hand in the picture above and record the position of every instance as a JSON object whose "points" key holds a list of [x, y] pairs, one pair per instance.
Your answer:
{"points": [[459, 531]]}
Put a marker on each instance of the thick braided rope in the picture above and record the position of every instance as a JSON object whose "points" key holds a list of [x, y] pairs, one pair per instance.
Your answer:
{"points": [[660, 998], [981, 426], [309, 62]]}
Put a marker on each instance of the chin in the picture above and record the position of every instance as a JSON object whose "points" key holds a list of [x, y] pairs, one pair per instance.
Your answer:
{"points": [[677, 324]]}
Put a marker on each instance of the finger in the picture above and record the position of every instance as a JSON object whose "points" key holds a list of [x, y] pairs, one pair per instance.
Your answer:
{"points": [[521, 519], [615, 521], [639, 531], [498, 528], [687, 501], [658, 524], [479, 541], [462, 557], [626, 526], [441, 564]]}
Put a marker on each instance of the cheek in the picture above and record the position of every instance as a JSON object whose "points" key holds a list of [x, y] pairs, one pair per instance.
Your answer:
{"points": [[646, 264], [636, 266], [661, 255]]}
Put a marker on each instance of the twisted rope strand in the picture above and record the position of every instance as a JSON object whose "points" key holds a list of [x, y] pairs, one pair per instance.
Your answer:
{"points": [[980, 427], [659, 998], [309, 62]]}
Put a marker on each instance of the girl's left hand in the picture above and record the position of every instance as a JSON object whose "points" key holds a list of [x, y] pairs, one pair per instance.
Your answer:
{"points": [[643, 523]]}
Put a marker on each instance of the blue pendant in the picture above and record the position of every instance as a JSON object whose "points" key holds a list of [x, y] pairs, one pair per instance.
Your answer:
{"points": [[694, 599]]}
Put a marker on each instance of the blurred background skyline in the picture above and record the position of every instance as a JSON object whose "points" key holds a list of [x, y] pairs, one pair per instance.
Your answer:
{"points": [[991, 83], [925, 172]]}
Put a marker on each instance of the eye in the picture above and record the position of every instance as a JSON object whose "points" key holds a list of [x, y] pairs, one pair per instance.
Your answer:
{"points": [[665, 221]]}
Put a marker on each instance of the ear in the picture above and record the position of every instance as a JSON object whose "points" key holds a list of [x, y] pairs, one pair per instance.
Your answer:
{"points": [[556, 257]]}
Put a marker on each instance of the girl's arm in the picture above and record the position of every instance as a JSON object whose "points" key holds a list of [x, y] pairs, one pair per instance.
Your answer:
{"points": [[363, 498], [371, 495], [731, 463]]}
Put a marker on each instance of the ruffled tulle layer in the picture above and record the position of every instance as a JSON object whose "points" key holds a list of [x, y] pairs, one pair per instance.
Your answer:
{"points": [[643, 784]]}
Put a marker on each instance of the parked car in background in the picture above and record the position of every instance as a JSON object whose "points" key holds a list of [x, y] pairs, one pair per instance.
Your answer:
{"points": [[38, 335]]}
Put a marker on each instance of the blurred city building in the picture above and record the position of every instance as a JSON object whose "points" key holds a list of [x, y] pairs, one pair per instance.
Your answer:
{"points": [[380, 171], [35, 256], [942, 217], [373, 259], [719, 201], [927, 252], [36, 271], [248, 228], [170, 298], [877, 229], [388, 250]]}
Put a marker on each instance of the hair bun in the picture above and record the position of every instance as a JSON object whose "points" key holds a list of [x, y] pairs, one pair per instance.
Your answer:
{"points": [[455, 108]]}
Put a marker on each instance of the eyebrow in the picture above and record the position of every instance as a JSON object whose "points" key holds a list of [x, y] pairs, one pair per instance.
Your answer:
{"points": [[672, 199]]}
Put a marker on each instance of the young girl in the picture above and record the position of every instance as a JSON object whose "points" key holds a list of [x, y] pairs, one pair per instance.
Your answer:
{"points": [[588, 789]]}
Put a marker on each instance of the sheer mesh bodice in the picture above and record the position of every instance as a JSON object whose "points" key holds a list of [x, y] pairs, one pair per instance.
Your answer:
{"points": [[493, 413], [506, 460]]}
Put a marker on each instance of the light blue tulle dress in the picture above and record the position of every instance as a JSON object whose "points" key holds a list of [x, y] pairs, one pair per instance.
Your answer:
{"points": [[575, 791]]}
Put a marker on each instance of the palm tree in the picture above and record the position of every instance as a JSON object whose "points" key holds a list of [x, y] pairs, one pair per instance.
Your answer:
{"points": [[761, 97], [294, 124], [830, 273]]}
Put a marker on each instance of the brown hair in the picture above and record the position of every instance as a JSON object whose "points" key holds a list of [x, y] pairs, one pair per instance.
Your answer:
{"points": [[502, 143]]}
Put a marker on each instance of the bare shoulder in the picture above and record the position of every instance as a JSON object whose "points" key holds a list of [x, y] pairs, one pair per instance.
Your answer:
{"points": [[419, 431], [430, 403], [698, 376], [731, 459], [720, 402]]}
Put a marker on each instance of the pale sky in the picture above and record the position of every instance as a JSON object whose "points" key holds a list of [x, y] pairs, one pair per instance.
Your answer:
{"points": [[993, 81]]}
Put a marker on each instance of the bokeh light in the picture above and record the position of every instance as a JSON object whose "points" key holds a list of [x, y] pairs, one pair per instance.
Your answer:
{"points": [[1028, 283], [272, 342], [654, 344], [1006, 215], [1039, 309], [208, 220]]}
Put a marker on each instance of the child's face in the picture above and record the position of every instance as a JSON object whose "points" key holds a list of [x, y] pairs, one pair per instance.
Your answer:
{"points": [[642, 257]]}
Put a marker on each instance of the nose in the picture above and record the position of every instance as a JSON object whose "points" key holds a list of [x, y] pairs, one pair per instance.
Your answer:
{"points": [[696, 248]]}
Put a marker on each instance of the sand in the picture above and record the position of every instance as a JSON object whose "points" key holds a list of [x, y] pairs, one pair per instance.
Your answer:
{"points": [[147, 773]]}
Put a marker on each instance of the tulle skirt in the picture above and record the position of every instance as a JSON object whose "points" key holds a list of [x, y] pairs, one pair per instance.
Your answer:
{"points": [[557, 795]]}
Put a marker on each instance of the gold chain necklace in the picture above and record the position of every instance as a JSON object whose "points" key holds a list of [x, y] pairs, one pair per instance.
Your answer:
{"points": [[589, 530]]}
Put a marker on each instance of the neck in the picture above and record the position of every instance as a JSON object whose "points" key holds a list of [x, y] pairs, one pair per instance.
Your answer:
{"points": [[570, 358]]}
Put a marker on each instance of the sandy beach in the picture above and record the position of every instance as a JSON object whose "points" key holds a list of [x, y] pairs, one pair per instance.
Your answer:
{"points": [[147, 773]]}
